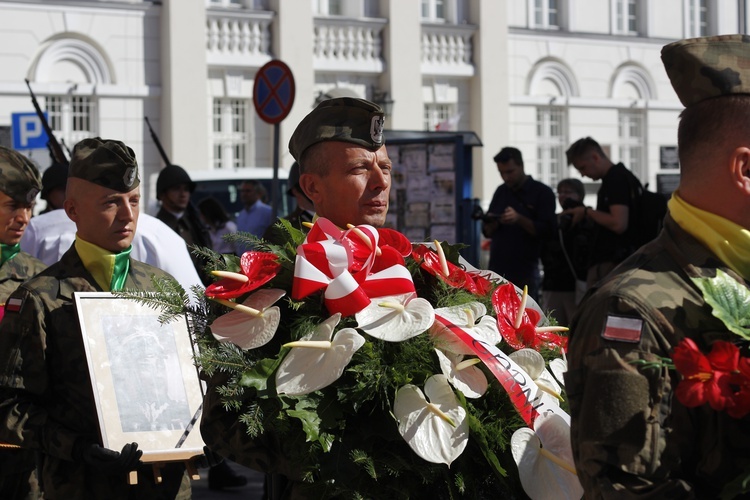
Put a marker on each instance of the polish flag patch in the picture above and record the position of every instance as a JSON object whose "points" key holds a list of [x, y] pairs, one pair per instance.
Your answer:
{"points": [[623, 329], [14, 304]]}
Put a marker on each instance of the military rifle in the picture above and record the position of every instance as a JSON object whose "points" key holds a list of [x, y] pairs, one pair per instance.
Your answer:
{"points": [[55, 150], [157, 142]]}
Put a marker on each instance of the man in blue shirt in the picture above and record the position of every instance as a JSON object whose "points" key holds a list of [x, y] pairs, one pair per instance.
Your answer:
{"points": [[256, 216], [521, 215]]}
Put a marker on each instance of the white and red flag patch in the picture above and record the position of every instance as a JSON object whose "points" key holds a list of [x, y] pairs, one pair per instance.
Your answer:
{"points": [[623, 329], [14, 304]]}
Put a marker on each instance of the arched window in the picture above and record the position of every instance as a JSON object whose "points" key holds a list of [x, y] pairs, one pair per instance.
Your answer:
{"points": [[632, 84], [551, 78], [80, 65]]}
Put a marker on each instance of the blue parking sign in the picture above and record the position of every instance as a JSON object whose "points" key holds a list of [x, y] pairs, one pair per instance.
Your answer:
{"points": [[28, 132]]}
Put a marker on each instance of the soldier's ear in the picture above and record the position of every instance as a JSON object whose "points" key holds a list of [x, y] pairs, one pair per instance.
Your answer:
{"points": [[70, 209], [310, 185], [741, 169]]}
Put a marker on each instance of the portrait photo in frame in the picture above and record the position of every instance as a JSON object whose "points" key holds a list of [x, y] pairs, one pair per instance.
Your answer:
{"points": [[146, 386]]}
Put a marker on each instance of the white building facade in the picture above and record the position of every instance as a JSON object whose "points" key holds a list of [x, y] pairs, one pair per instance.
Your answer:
{"points": [[535, 74]]}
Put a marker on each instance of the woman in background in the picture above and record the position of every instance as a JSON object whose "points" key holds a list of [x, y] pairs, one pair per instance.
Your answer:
{"points": [[216, 218]]}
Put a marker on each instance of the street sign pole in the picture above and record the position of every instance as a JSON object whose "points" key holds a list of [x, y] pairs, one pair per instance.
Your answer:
{"points": [[273, 97], [275, 180]]}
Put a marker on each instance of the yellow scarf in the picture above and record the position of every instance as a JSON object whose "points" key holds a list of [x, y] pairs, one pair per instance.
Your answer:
{"points": [[730, 242], [110, 270]]}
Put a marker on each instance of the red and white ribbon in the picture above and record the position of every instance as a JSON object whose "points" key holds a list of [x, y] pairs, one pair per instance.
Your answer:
{"points": [[529, 401], [341, 262]]}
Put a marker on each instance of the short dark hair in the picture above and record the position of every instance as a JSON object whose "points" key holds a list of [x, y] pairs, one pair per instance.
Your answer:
{"points": [[582, 147], [508, 153], [575, 185], [709, 126], [213, 211]]}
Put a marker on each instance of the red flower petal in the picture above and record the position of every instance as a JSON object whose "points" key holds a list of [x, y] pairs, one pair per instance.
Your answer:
{"points": [[392, 238], [724, 356], [259, 267], [430, 262]]}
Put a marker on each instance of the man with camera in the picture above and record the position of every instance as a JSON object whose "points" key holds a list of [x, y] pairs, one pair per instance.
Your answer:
{"points": [[520, 216], [565, 255], [612, 242]]}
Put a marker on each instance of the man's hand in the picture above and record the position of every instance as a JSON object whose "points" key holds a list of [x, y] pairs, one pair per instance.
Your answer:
{"points": [[578, 214], [110, 461], [509, 216]]}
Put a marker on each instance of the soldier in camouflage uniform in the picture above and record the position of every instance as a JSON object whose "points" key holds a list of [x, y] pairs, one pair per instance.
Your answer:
{"points": [[46, 397], [19, 185], [631, 436], [345, 171]]}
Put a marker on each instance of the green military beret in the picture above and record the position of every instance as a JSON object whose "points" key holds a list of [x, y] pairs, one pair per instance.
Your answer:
{"points": [[701, 68], [105, 162], [345, 119], [19, 178]]}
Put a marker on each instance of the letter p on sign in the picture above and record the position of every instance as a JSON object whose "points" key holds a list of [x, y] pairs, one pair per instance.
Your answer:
{"points": [[28, 132]]}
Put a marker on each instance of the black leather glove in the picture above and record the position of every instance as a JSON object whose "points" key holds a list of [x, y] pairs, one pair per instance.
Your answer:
{"points": [[109, 461], [208, 459]]}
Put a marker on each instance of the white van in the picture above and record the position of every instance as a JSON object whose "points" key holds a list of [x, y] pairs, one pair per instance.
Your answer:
{"points": [[224, 185]]}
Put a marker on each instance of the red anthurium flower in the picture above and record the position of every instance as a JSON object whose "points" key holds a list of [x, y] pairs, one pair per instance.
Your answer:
{"points": [[392, 238], [517, 324], [482, 284], [430, 261], [705, 379], [258, 267]]}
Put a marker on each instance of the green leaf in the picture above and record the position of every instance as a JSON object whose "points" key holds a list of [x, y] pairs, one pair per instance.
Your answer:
{"points": [[729, 300], [260, 373], [310, 422]]}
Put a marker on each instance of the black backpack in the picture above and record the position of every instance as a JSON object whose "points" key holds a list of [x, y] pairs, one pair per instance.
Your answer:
{"points": [[649, 210]]}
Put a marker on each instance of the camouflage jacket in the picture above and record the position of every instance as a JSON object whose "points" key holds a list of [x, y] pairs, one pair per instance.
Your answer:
{"points": [[17, 270], [631, 438], [46, 398]]}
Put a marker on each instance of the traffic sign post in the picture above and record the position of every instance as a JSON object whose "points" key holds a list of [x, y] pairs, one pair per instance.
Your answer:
{"points": [[273, 97], [28, 131]]}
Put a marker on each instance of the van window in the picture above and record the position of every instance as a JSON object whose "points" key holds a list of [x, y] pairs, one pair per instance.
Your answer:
{"points": [[227, 191]]}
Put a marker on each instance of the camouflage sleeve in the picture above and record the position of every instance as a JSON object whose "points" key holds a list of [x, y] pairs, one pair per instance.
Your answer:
{"points": [[619, 407], [24, 380]]}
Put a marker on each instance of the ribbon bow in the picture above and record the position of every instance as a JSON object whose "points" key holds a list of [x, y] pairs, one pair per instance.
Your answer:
{"points": [[349, 265]]}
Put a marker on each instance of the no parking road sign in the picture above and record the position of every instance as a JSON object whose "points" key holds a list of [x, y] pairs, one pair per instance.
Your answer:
{"points": [[273, 91]]}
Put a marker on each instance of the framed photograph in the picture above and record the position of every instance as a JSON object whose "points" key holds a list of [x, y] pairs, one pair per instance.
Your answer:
{"points": [[146, 386]]}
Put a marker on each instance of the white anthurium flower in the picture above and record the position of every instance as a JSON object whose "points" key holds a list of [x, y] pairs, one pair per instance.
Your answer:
{"points": [[533, 364], [545, 460], [318, 359], [396, 318], [465, 316], [462, 373], [436, 430], [251, 324], [558, 367]]}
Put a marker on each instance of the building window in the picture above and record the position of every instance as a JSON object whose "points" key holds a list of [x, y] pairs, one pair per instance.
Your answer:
{"points": [[225, 3], [437, 114], [433, 11], [697, 18], [230, 136], [330, 7], [632, 127], [71, 118], [625, 17], [546, 15], [551, 131]]}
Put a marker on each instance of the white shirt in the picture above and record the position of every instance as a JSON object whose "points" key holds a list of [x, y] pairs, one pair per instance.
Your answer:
{"points": [[48, 236]]}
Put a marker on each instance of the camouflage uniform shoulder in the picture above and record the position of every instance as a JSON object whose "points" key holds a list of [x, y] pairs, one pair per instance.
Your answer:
{"points": [[141, 274], [23, 266]]}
